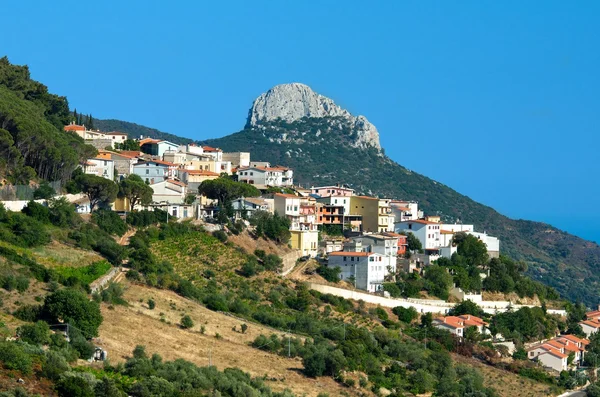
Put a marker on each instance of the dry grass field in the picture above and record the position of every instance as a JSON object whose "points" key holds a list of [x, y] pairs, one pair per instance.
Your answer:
{"points": [[125, 327]]}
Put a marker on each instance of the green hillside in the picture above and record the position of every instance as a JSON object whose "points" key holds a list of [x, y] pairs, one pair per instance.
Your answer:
{"points": [[566, 262], [136, 130]]}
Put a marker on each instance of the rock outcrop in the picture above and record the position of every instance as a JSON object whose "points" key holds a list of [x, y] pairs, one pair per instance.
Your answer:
{"points": [[295, 101]]}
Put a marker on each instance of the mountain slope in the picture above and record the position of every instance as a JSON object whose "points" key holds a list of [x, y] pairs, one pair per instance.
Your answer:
{"points": [[322, 150], [135, 130]]}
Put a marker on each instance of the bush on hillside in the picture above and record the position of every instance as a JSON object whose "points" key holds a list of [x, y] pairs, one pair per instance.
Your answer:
{"points": [[109, 221]]}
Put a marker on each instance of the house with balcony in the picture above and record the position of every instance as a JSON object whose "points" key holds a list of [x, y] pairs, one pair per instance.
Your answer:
{"points": [[246, 206], [365, 269], [155, 171], [386, 246], [335, 210], [301, 212], [332, 190], [376, 213], [264, 177], [98, 166], [427, 232]]}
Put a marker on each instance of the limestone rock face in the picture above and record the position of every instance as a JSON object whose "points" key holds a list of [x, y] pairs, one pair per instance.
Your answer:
{"points": [[295, 101]]}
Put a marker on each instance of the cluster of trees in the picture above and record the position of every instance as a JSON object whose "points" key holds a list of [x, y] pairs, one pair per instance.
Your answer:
{"points": [[32, 141], [81, 119], [271, 226], [128, 145], [260, 262]]}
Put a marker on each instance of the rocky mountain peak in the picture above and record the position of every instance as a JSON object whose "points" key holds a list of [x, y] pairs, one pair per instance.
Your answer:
{"points": [[294, 101]]}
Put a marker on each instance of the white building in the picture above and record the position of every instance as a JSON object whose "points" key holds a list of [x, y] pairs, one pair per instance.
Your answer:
{"points": [[155, 171], [249, 205], [457, 324], [405, 210], [367, 268], [237, 159], [549, 357], [156, 147], [492, 243], [386, 246], [338, 201], [427, 232], [169, 191], [100, 167], [263, 177]]}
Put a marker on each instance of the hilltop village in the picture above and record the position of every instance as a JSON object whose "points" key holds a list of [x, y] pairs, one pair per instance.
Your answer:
{"points": [[364, 240]]}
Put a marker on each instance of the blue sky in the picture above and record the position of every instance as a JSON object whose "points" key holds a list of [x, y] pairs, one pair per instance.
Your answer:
{"points": [[498, 100]]}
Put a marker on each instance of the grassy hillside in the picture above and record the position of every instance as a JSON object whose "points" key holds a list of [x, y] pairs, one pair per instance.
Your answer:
{"points": [[319, 151]]}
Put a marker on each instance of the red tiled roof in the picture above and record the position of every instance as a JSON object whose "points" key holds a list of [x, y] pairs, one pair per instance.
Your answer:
{"points": [[446, 232], [287, 195], [472, 320], [210, 149], [591, 323], [149, 140], [575, 339], [131, 153], [74, 127], [345, 253], [595, 313]]}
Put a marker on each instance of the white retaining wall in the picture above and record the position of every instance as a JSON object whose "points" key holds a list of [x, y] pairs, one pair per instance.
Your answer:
{"points": [[18, 205], [421, 305]]}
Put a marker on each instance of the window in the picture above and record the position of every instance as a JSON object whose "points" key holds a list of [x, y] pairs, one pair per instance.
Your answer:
{"points": [[344, 259], [410, 225], [351, 259], [295, 208], [147, 171], [252, 173], [334, 203]]}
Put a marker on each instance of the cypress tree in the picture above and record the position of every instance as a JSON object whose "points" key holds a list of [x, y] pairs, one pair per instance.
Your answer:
{"points": [[75, 115], [91, 127]]}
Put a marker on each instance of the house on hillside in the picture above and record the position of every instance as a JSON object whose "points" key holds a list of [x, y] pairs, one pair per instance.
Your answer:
{"points": [[366, 269], [427, 232], [249, 205], [102, 167], [591, 324], [376, 213], [193, 178], [386, 246], [169, 191], [263, 177], [155, 171], [123, 163], [554, 354], [458, 324], [156, 147], [332, 190], [335, 210], [301, 212]]}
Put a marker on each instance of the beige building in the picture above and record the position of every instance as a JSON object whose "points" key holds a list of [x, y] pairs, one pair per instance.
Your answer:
{"points": [[376, 213]]}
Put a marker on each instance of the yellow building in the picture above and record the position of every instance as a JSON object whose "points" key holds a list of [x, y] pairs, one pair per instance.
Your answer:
{"points": [[307, 241], [376, 213]]}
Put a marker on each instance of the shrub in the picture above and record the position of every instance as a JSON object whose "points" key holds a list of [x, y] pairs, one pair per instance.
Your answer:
{"points": [[22, 284], [13, 356], [37, 211], [44, 191], [73, 307], [28, 313], [187, 322], [109, 221], [406, 315], [331, 274], [54, 365], [74, 386], [35, 334], [151, 304], [220, 235]]}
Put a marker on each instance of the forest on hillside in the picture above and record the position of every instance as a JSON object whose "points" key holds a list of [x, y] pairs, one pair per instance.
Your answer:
{"points": [[32, 141]]}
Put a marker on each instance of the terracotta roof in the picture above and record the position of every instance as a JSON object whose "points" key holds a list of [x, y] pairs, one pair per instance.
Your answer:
{"points": [[131, 153], [595, 313], [287, 195], [405, 209], [591, 323], [556, 344], [556, 353], [210, 149], [350, 253], [452, 321], [149, 140], [74, 127], [446, 232], [472, 320], [200, 172], [122, 154], [575, 339]]}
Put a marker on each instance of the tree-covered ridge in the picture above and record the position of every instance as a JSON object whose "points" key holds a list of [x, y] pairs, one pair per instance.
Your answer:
{"points": [[136, 130], [32, 142], [319, 153]]}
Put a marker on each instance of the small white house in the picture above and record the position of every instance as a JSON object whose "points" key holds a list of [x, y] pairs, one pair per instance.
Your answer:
{"points": [[262, 177], [427, 232], [367, 268]]}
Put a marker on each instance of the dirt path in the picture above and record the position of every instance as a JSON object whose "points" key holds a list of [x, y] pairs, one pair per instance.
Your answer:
{"points": [[124, 240]]}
